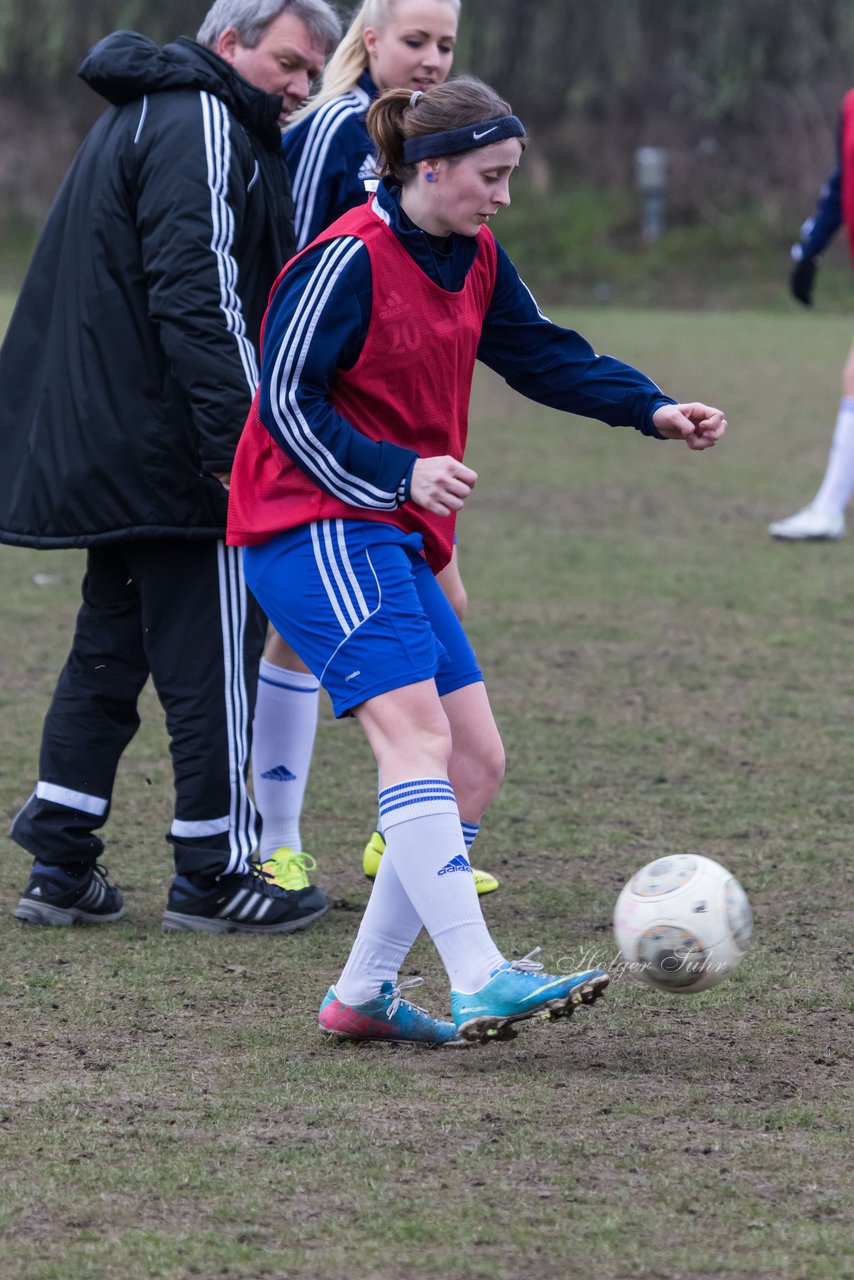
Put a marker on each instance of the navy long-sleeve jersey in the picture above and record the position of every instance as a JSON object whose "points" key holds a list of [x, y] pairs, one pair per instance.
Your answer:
{"points": [[541, 360], [330, 157], [819, 230]]}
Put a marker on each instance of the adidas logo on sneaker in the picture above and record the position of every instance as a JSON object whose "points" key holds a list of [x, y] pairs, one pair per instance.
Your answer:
{"points": [[281, 773], [55, 897], [245, 902], [458, 863]]}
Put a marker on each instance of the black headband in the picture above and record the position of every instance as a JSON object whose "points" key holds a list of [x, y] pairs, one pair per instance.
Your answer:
{"points": [[453, 142]]}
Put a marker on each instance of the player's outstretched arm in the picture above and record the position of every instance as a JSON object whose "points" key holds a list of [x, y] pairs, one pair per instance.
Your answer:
{"points": [[699, 425]]}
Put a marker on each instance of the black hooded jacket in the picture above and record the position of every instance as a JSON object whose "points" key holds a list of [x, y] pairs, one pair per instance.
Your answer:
{"points": [[130, 361]]}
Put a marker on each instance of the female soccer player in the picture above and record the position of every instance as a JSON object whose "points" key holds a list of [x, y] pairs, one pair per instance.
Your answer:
{"points": [[390, 44], [824, 517], [344, 492]]}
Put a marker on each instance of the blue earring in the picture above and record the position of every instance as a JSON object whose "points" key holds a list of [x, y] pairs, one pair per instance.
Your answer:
{"points": [[431, 177]]}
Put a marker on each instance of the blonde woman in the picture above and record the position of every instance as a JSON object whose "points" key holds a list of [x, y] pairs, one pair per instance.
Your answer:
{"points": [[390, 44]]}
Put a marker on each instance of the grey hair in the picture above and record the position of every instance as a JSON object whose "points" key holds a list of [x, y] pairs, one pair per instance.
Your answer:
{"points": [[251, 18]]}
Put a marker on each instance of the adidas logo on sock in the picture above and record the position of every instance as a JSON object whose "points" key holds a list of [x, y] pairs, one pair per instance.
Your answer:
{"points": [[281, 773], [456, 864]]}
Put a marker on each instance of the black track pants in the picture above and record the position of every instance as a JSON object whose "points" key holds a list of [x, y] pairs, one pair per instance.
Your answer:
{"points": [[178, 610]]}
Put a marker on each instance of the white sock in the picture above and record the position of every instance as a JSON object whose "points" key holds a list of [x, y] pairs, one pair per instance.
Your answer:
{"points": [[282, 742], [387, 934], [470, 830], [425, 844], [389, 927], [838, 484]]}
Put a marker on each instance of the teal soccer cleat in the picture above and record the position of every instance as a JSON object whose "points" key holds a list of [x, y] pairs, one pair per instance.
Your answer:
{"points": [[387, 1017], [519, 989]]}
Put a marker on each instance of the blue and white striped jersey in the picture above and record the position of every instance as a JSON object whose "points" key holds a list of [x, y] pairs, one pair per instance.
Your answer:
{"points": [[330, 155]]}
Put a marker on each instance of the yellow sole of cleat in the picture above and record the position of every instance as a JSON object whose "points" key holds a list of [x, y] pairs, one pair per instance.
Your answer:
{"points": [[487, 1031]]}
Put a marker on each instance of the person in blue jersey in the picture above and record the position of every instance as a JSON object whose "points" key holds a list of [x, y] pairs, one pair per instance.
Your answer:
{"points": [[344, 493], [824, 516], [390, 44]]}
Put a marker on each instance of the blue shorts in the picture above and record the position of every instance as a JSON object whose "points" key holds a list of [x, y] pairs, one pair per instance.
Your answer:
{"points": [[362, 608]]}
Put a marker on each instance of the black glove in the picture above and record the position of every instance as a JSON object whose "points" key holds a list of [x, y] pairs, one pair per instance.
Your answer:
{"points": [[802, 279]]}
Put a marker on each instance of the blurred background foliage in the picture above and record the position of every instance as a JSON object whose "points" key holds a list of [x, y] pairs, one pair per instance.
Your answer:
{"points": [[743, 96]]}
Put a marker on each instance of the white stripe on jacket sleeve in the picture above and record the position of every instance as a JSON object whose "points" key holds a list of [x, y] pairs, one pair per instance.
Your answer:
{"points": [[217, 130]]}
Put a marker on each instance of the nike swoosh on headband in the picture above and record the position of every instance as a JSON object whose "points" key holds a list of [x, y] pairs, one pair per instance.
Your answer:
{"points": [[454, 142]]}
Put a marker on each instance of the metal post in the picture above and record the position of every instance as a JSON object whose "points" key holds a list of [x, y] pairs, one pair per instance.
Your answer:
{"points": [[651, 179]]}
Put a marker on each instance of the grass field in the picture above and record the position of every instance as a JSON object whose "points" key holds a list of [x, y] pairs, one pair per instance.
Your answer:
{"points": [[666, 679]]}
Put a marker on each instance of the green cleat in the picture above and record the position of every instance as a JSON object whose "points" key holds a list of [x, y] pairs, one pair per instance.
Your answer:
{"points": [[375, 848], [288, 869]]}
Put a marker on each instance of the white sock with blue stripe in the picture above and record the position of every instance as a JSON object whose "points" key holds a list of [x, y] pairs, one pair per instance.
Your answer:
{"points": [[425, 843], [283, 734], [387, 933]]}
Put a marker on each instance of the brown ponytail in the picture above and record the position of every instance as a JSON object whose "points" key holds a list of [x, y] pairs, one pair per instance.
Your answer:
{"points": [[391, 120]]}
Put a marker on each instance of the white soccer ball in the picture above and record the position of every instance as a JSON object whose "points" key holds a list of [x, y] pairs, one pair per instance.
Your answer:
{"points": [[682, 923]]}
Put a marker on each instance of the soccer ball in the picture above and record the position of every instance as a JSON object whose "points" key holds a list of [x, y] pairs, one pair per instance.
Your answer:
{"points": [[682, 923]]}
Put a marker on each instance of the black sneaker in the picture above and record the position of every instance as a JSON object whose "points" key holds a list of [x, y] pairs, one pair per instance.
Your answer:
{"points": [[52, 896], [242, 903]]}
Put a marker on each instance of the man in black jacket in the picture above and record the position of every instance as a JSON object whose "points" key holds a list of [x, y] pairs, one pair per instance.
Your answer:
{"points": [[127, 374]]}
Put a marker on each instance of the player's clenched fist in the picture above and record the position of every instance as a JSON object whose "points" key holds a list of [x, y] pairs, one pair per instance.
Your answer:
{"points": [[441, 485], [699, 425]]}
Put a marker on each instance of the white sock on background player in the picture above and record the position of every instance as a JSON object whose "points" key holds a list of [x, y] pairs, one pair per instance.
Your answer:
{"points": [[837, 486], [283, 735], [470, 830]]}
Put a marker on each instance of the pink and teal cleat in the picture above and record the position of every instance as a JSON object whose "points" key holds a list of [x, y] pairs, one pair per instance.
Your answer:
{"points": [[387, 1017], [519, 989]]}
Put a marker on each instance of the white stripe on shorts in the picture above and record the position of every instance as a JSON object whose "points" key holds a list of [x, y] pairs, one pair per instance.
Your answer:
{"points": [[348, 601]]}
